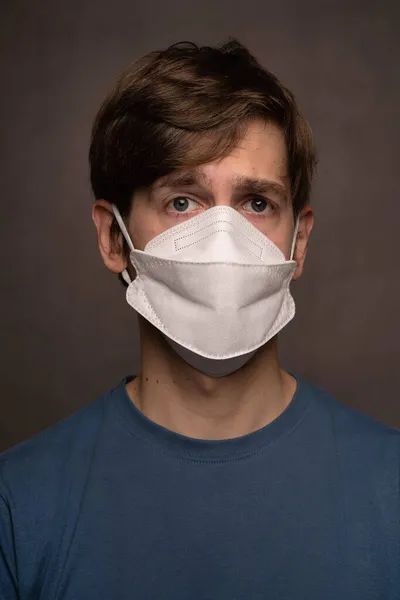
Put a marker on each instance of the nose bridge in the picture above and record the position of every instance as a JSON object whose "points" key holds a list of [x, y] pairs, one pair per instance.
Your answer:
{"points": [[221, 192], [222, 200]]}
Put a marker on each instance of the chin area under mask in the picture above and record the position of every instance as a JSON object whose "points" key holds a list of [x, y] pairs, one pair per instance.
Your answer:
{"points": [[209, 366]]}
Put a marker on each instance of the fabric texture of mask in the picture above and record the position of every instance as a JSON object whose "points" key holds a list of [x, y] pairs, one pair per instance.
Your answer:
{"points": [[215, 286]]}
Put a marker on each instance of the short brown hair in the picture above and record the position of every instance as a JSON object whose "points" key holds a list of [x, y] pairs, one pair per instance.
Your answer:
{"points": [[186, 106]]}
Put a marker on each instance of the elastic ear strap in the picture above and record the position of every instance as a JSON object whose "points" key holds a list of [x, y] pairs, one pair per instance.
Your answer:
{"points": [[127, 237], [123, 227], [125, 277], [296, 229]]}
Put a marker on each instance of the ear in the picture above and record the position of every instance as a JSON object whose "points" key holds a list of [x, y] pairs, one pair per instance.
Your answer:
{"points": [[110, 245], [306, 222]]}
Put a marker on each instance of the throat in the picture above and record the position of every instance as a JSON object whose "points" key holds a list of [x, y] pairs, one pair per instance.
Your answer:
{"points": [[186, 401]]}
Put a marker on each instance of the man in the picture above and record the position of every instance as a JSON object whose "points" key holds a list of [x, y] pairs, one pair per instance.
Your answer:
{"points": [[214, 474]]}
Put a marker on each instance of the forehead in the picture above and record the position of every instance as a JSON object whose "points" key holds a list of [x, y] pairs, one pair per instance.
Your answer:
{"points": [[261, 153], [263, 139], [259, 156]]}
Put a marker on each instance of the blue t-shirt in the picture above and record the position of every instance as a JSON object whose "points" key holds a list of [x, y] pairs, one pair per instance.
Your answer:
{"points": [[108, 505]]}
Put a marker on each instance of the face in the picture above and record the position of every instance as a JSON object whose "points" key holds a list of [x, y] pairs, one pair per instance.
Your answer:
{"points": [[253, 180]]}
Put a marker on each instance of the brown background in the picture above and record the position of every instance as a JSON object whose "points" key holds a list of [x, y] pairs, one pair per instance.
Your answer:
{"points": [[66, 333]]}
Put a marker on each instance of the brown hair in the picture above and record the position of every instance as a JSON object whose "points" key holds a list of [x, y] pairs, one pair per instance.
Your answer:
{"points": [[186, 106]]}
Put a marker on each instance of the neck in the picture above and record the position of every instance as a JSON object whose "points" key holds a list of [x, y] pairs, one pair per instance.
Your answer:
{"points": [[182, 399]]}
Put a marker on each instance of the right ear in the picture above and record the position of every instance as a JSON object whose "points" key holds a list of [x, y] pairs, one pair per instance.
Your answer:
{"points": [[111, 247]]}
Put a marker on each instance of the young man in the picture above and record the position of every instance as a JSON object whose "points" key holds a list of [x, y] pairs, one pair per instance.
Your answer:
{"points": [[214, 474]]}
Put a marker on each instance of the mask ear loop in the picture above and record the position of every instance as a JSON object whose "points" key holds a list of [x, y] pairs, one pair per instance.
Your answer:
{"points": [[124, 231], [296, 229]]}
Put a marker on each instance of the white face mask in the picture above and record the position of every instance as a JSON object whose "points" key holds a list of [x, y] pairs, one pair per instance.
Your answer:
{"points": [[215, 286]]}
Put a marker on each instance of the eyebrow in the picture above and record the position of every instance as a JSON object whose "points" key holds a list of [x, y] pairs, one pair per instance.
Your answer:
{"points": [[182, 179], [240, 183], [259, 186]]}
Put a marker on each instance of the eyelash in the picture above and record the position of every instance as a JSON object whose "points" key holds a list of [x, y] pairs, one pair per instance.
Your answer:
{"points": [[272, 205]]}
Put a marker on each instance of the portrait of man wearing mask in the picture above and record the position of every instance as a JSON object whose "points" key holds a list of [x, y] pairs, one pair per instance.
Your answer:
{"points": [[213, 474]]}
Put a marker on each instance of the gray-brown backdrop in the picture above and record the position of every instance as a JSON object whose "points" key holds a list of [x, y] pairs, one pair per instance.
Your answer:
{"points": [[66, 332]]}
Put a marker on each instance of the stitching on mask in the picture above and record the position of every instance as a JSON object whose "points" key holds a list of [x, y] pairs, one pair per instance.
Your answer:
{"points": [[264, 241], [213, 233], [210, 220], [150, 308], [224, 222], [158, 323], [156, 261]]}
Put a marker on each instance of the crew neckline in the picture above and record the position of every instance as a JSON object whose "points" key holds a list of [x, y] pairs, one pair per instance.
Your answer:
{"points": [[171, 442]]}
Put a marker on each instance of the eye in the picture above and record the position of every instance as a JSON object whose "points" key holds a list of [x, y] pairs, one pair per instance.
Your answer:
{"points": [[259, 205], [182, 204]]}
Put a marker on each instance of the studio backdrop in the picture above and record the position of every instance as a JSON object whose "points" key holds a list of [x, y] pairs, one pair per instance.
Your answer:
{"points": [[67, 333]]}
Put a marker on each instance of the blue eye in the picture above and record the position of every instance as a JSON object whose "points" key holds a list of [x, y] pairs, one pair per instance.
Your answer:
{"points": [[259, 205], [180, 204]]}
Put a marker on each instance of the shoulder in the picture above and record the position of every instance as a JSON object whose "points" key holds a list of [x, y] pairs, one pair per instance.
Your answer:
{"points": [[40, 462], [42, 485], [349, 419], [354, 434]]}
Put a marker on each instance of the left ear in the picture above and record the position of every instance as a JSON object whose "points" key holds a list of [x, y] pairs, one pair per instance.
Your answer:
{"points": [[111, 249], [306, 222]]}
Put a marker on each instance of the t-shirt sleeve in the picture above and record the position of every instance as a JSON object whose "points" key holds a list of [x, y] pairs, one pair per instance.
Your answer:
{"points": [[8, 571]]}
